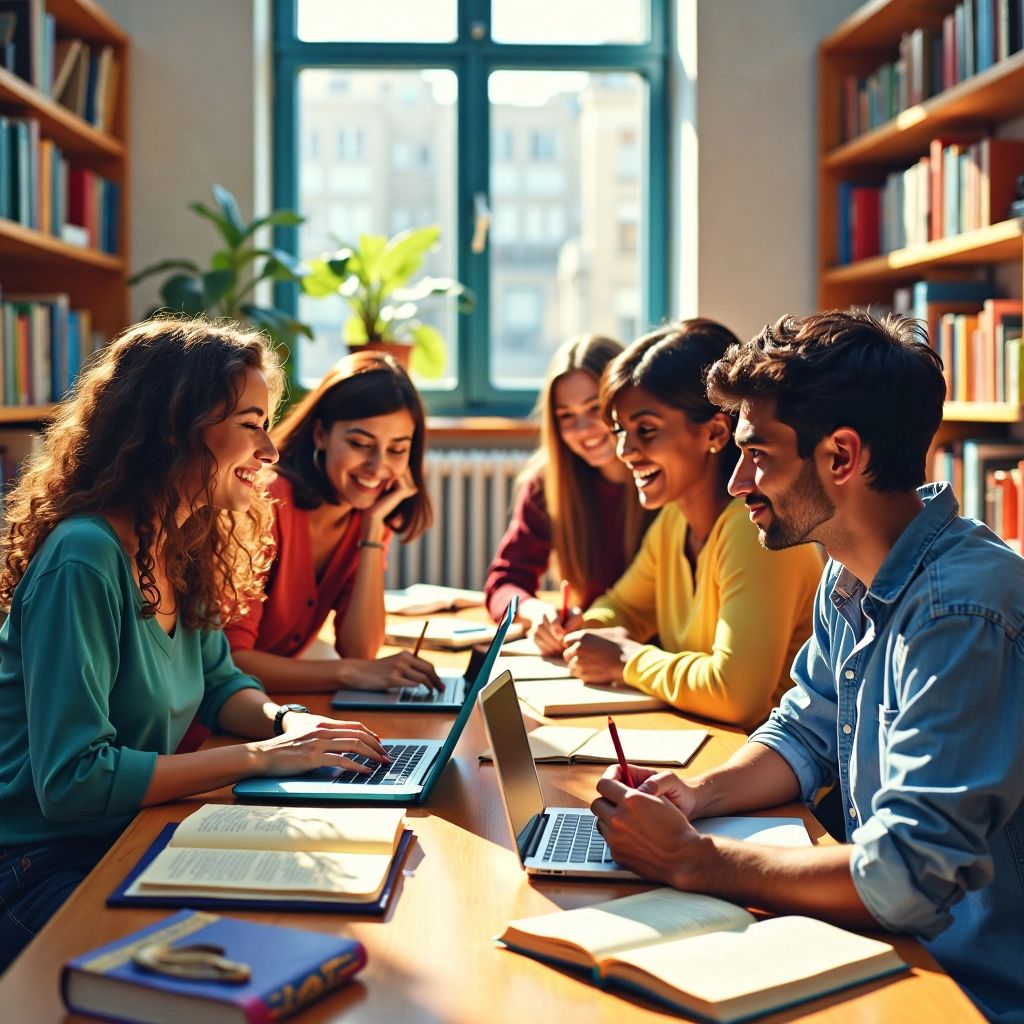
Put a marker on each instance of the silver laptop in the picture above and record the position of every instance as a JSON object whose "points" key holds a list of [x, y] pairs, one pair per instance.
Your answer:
{"points": [[549, 840], [416, 764]]}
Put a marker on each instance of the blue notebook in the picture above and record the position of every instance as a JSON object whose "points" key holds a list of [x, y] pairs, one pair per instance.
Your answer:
{"points": [[120, 897]]}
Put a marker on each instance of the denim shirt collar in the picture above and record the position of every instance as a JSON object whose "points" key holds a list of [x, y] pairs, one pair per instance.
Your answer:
{"points": [[904, 560]]}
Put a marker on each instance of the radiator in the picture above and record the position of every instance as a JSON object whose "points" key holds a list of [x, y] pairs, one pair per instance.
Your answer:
{"points": [[471, 492]]}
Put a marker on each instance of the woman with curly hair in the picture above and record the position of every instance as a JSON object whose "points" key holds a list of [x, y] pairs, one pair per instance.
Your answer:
{"points": [[350, 475], [129, 540]]}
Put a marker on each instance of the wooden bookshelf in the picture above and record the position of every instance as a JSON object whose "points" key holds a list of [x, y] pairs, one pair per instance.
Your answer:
{"points": [[980, 104], [33, 261]]}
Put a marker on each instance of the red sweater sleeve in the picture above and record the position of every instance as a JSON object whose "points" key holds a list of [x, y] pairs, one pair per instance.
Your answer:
{"points": [[523, 553]]}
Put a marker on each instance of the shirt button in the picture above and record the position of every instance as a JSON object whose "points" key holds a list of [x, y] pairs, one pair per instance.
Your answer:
{"points": [[847, 728], [296, 638], [853, 813], [849, 673], [310, 602]]}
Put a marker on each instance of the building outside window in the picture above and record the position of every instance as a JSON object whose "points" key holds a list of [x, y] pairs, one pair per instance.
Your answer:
{"points": [[572, 107]]}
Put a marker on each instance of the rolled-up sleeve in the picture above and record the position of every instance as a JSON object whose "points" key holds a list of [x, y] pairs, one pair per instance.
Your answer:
{"points": [[928, 838], [802, 729], [78, 771]]}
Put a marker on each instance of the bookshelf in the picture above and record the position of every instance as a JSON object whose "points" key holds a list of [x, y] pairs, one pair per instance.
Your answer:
{"points": [[34, 261], [981, 104]]}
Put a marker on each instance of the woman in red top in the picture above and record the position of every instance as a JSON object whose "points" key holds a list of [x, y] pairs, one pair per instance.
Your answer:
{"points": [[576, 506], [350, 473]]}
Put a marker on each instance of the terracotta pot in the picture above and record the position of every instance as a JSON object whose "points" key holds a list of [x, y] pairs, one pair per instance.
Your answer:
{"points": [[400, 351]]}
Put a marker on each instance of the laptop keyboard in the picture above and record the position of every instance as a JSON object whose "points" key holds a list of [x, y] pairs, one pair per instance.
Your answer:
{"points": [[421, 695], [404, 759], [574, 839]]}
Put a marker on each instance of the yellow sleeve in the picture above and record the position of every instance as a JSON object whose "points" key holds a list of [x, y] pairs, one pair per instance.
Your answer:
{"points": [[632, 601], [763, 599]]}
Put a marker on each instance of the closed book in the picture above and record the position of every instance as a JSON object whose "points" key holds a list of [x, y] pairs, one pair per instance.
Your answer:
{"points": [[979, 458], [865, 226], [65, 56], [574, 697], [1001, 163], [702, 955], [444, 633], [288, 968], [28, 38]]}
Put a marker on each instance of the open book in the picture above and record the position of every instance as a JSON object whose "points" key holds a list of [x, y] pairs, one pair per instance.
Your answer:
{"points": [[574, 697], [425, 598], [237, 851], [554, 743], [702, 955], [525, 666], [444, 632]]}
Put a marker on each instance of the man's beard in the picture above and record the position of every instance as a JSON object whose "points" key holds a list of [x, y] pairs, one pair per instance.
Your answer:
{"points": [[810, 505]]}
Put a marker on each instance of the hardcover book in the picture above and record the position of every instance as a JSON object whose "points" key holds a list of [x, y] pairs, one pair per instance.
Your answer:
{"points": [[702, 955], [287, 969], [571, 745]]}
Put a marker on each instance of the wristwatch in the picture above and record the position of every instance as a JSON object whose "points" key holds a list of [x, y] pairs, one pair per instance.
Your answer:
{"points": [[282, 711]]}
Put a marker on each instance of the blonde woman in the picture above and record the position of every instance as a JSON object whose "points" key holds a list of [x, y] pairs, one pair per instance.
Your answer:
{"points": [[576, 511]]}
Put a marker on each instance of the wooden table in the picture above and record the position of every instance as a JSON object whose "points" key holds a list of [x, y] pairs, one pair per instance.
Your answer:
{"points": [[431, 957]]}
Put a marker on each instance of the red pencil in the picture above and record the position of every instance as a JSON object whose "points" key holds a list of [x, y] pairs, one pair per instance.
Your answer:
{"points": [[627, 775], [565, 602], [419, 639]]}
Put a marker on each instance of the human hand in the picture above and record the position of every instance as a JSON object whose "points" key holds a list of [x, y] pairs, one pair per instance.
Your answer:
{"points": [[598, 655], [396, 670], [394, 493], [314, 741], [549, 633], [650, 834], [659, 783]]}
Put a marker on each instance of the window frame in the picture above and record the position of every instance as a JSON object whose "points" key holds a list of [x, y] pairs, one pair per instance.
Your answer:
{"points": [[472, 60]]}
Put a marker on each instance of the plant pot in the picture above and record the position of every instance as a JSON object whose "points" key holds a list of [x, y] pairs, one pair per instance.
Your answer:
{"points": [[400, 351]]}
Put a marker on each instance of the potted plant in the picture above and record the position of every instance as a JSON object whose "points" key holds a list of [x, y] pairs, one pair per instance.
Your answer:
{"points": [[225, 288], [375, 278]]}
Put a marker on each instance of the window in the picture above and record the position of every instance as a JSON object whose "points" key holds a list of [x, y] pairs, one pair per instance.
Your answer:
{"points": [[399, 97]]}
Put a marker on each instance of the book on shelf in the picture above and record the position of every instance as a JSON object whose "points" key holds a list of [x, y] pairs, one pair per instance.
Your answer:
{"points": [[980, 458], [285, 969], [28, 39], [271, 857], [702, 955], [575, 697], [426, 598], [1004, 492], [556, 744]]}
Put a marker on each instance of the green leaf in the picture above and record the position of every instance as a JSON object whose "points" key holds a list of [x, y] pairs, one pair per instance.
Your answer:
{"points": [[283, 266], [429, 352], [370, 253], [431, 286], [224, 259], [278, 218], [404, 255], [159, 268], [217, 284], [354, 332], [321, 280], [339, 262], [231, 214], [227, 232], [278, 324], [184, 293]]}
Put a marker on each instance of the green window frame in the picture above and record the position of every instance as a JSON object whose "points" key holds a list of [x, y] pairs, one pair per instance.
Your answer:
{"points": [[472, 57]]}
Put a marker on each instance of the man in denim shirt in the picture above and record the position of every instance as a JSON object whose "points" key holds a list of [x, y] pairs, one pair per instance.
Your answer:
{"points": [[909, 694]]}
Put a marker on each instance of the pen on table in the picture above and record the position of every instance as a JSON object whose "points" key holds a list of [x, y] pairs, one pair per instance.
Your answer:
{"points": [[565, 603], [627, 775], [419, 639]]}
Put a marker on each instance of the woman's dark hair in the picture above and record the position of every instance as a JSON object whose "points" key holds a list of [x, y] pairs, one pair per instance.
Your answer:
{"points": [[845, 368], [358, 387], [128, 438], [671, 364]]}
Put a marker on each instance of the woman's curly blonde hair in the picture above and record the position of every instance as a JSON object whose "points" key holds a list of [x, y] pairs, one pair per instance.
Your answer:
{"points": [[127, 438]]}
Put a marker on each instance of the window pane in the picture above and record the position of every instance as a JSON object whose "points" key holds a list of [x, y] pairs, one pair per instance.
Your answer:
{"points": [[566, 194], [577, 22], [377, 156], [383, 21]]}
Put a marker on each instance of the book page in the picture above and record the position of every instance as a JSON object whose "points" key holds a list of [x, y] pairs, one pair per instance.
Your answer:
{"points": [[644, 746], [553, 742], [573, 696], [766, 831], [525, 647], [330, 829], [783, 959], [424, 598], [648, 917], [265, 874], [445, 632], [526, 667]]}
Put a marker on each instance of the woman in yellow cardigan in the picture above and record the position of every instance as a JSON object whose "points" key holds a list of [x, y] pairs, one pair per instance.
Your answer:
{"points": [[704, 617]]}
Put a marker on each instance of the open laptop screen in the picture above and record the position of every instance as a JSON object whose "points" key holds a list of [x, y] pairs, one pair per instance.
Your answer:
{"points": [[517, 775]]}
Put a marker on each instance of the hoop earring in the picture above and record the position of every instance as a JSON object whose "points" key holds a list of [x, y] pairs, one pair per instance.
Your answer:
{"points": [[319, 464]]}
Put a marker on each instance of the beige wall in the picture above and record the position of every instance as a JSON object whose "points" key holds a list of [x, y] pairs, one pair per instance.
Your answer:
{"points": [[743, 253]]}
